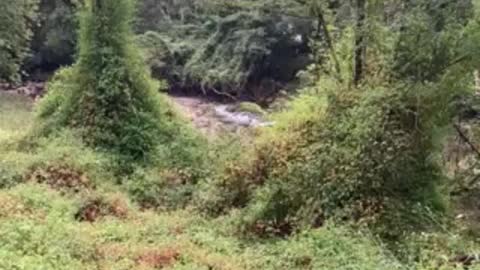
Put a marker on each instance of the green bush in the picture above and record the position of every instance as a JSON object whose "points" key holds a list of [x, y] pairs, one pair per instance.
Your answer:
{"points": [[349, 154], [175, 175], [160, 189], [213, 194], [436, 250]]}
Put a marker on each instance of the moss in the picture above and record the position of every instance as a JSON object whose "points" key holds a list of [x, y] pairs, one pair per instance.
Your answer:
{"points": [[249, 107]]}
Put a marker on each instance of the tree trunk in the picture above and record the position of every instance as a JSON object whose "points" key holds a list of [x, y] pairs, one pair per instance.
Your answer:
{"points": [[360, 46], [322, 26]]}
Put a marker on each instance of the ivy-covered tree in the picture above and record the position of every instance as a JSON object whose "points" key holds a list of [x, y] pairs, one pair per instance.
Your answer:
{"points": [[108, 94]]}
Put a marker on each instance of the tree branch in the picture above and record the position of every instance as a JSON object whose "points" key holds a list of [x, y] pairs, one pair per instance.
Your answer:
{"points": [[466, 140], [322, 26]]}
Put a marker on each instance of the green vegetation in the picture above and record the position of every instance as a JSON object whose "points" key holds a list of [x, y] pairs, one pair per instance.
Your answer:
{"points": [[54, 37], [306, 175], [16, 31], [40, 224], [108, 95], [371, 163]]}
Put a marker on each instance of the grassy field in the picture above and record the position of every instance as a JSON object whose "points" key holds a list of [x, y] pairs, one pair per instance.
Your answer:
{"points": [[15, 114], [42, 227]]}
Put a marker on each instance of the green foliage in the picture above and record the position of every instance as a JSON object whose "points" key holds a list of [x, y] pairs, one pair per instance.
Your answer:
{"points": [[360, 154], [429, 41], [332, 248], [62, 161], [39, 230], [224, 48], [470, 48], [59, 87], [161, 189], [166, 56], [156, 53], [189, 12], [434, 250], [108, 96], [365, 154], [171, 12], [54, 36], [16, 20], [246, 40], [212, 194], [339, 155], [48, 241]]}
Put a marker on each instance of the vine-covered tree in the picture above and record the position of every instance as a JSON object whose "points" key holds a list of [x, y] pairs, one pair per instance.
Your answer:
{"points": [[108, 94]]}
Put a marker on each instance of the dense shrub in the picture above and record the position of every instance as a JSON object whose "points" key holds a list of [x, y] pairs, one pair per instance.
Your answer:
{"points": [[95, 207], [351, 154], [362, 153], [166, 189], [446, 250]]}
